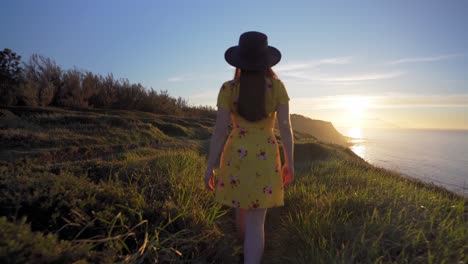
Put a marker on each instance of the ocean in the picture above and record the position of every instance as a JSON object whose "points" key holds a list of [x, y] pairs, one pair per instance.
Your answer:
{"points": [[437, 156]]}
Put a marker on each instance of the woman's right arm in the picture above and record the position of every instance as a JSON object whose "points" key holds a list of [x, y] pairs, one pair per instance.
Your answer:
{"points": [[284, 123]]}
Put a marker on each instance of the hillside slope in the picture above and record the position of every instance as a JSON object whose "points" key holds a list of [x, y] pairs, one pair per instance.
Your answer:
{"points": [[108, 186]]}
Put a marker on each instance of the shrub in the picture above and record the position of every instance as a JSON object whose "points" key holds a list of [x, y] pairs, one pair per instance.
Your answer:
{"points": [[129, 96], [43, 80], [72, 90], [18, 244], [53, 201], [43, 83], [105, 95], [27, 93]]}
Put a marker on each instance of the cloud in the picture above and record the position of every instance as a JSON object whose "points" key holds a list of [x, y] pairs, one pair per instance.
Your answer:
{"points": [[175, 79], [329, 102], [301, 71], [344, 79], [378, 102], [408, 101], [311, 64], [291, 67], [425, 59], [332, 61]]}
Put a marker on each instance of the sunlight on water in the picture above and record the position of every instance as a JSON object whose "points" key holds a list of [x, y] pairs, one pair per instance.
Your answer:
{"points": [[435, 156], [360, 150], [356, 134]]}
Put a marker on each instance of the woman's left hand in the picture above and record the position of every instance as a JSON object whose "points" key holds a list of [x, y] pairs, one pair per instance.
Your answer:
{"points": [[209, 180]]}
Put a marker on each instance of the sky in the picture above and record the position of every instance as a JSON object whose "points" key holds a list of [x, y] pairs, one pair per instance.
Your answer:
{"points": [[355, 63]]}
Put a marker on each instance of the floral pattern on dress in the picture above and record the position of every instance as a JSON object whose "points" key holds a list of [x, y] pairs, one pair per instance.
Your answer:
{"points": [[232, 83], [250, 170], [270, 86], [242, 152], [267, 190], [261, 155], [235, 203], [242, 132], [255, 204], [271, 140], [234, 181], [220, 184]]}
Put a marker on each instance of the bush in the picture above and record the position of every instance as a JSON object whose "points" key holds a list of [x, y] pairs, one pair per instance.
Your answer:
{"points": [[18, 244], [45, 78], [105, 95], [72, 90], [54, 201], [43, 83], [27, 93]]}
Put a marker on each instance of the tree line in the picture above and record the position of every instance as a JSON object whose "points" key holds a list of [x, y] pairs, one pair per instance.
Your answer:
{"points": [[41, 82]]}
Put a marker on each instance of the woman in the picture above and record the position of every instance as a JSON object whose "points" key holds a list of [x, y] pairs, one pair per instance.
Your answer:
{"points": [[250, 176]]}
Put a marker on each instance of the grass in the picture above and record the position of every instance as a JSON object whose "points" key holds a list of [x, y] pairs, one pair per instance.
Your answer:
{"points": [[126, 187], [347, 212], [142, 210]]}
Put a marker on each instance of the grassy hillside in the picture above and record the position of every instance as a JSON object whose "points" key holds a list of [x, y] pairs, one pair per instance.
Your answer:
{"points": [[106, 186]]}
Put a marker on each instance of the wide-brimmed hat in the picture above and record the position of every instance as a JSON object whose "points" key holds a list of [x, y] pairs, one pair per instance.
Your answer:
{"points": [[253, 52]]}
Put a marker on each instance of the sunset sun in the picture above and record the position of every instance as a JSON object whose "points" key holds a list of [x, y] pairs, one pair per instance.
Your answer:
{"points": [[355, 109]]}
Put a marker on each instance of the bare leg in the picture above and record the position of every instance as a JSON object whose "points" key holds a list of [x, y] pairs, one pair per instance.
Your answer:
{"points": [[240, 222], [254, 242]]}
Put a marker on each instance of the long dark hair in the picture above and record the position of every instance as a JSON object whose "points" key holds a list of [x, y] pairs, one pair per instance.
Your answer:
{"points": [[251, 102]]}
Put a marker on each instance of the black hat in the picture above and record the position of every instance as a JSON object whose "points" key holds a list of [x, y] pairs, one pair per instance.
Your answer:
{"points": [[253, 52]]}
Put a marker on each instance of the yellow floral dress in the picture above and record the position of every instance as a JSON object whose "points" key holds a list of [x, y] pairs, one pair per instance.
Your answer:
{"points": [[249, 174]]}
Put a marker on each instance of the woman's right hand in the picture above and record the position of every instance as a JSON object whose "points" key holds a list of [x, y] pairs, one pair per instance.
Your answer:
{"points": [[209, 180], [287, 173]]}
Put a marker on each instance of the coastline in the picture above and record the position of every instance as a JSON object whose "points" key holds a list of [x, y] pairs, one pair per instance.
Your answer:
{"points": [[431, 185], [426, 180]]}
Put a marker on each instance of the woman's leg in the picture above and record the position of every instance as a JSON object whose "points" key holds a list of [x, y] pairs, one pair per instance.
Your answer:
{"points": [[254, 242], [240, 222]]}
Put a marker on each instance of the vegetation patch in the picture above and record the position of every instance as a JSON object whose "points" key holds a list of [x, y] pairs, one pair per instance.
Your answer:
{"points": [[107, 186]]}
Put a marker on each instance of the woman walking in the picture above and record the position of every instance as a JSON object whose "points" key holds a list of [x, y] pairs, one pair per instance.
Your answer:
{"points": [[250, 176]]}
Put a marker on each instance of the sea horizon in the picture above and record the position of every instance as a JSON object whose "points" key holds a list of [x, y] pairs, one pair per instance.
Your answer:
{"points": [[436, 156]]}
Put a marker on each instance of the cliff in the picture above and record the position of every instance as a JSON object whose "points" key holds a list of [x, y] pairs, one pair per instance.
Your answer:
{"points": [[321, 130]]}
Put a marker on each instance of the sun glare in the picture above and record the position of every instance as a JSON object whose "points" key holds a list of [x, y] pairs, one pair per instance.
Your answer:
{"points": [[355, 109], [355, 132], [357, 105]]}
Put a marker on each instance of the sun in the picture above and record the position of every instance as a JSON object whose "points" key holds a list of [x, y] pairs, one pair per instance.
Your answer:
{"points": [[355, 108], [355, 132], [357, 105]]}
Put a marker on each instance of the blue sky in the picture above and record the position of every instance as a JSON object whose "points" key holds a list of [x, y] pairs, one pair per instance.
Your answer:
{"points": [[355, 63]]}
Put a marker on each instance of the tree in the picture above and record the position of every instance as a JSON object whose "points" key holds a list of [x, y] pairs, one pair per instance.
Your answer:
{"points": [[10, 76], [46, 80]]}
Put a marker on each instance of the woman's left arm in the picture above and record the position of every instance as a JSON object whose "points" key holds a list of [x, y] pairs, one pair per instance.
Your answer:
{"points": [[223, 119]]}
